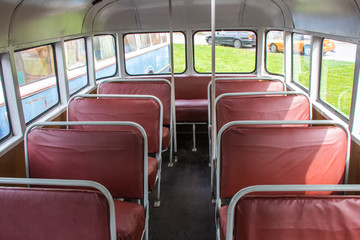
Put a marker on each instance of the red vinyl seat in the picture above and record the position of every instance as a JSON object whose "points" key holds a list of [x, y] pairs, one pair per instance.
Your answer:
{"points": [[39, 214], [243, 85], [157, 87], [247, 85], [145, 111], [130, 220], [281, 155], [115, 159], [261, 107], [238, 85], [62, 210], [295, 217], [191, 110]]}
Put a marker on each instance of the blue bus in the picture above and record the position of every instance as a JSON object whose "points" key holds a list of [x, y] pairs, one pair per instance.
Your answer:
{"points": [[147, 53]]}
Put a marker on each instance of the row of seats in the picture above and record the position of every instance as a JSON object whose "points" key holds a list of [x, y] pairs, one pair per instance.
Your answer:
{"points": [[116, 159], [268, 138], [114, 138], [67, 209]]}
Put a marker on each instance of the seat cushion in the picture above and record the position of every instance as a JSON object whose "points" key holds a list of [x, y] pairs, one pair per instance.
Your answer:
{"points": [[152, 172], [191, 110], [223, 221], [165, 138], [130, 220]]}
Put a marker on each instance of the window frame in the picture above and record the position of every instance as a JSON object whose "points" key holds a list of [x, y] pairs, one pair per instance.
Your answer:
{"points": [[299, 85], [167, 40], [326, 105], [10, 134], [86, 65], [116, 57], [266, 53], [52, 45]]}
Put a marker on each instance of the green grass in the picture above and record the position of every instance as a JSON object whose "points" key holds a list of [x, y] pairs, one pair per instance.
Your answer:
{"points": [[336, 76], [336, 84], [227, 59], [179, 58], [275, 63]]}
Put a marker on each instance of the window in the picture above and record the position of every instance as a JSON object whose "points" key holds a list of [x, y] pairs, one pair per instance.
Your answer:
{"points": [[105, 56], [301, 59], [76, 67], [129, 43], [275, 52], [235, 51], [144, 40], [163, 37], [4, 117], [155, 38], [37, 80], [337, 74], [153, 57]]}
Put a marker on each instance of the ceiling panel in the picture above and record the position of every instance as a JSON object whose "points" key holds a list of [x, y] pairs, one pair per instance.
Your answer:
{"points": [[338, 17], [36, 20], [7, 8]]}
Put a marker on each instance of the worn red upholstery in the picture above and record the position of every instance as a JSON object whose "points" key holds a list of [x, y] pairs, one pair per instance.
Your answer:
{"points": [[166, 137], [191, 95], [223, 213], [191, 110], [152, 172], [113, 158], [191, 87], [233, 108], [159, 89], [145, 112], [191, 98], [281, 155], [233, 85], [295, 218], [57, 214], [130, 220]]}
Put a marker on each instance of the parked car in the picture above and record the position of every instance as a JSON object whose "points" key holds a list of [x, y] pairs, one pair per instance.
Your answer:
{"points": [[301, 44], [237, 39]]}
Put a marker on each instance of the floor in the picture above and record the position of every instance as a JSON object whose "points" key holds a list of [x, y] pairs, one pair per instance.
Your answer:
{"points": [[186, 210]]}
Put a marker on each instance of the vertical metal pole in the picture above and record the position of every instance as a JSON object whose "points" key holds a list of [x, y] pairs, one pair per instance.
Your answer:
{"points": [[194, 149], [213, 142], [172, 81]]}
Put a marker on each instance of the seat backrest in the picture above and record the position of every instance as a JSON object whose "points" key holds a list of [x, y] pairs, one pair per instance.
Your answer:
{"points": [[294, 217], [53, 213], [233, 107], [298, 218], [280, 155], [243, 85], [160, 88], [254, 85], [145, 111], [115, 159]]}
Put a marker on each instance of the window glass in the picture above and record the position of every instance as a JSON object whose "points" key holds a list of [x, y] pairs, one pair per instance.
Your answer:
{"points": [[154, 58], [155, 38], [301, 59], [76, 67], [129, 43], [337, 74], [235, 51], [275, 52], [37, 80], [164, 37], [4, 118], [105, 56], [144, 40]]}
